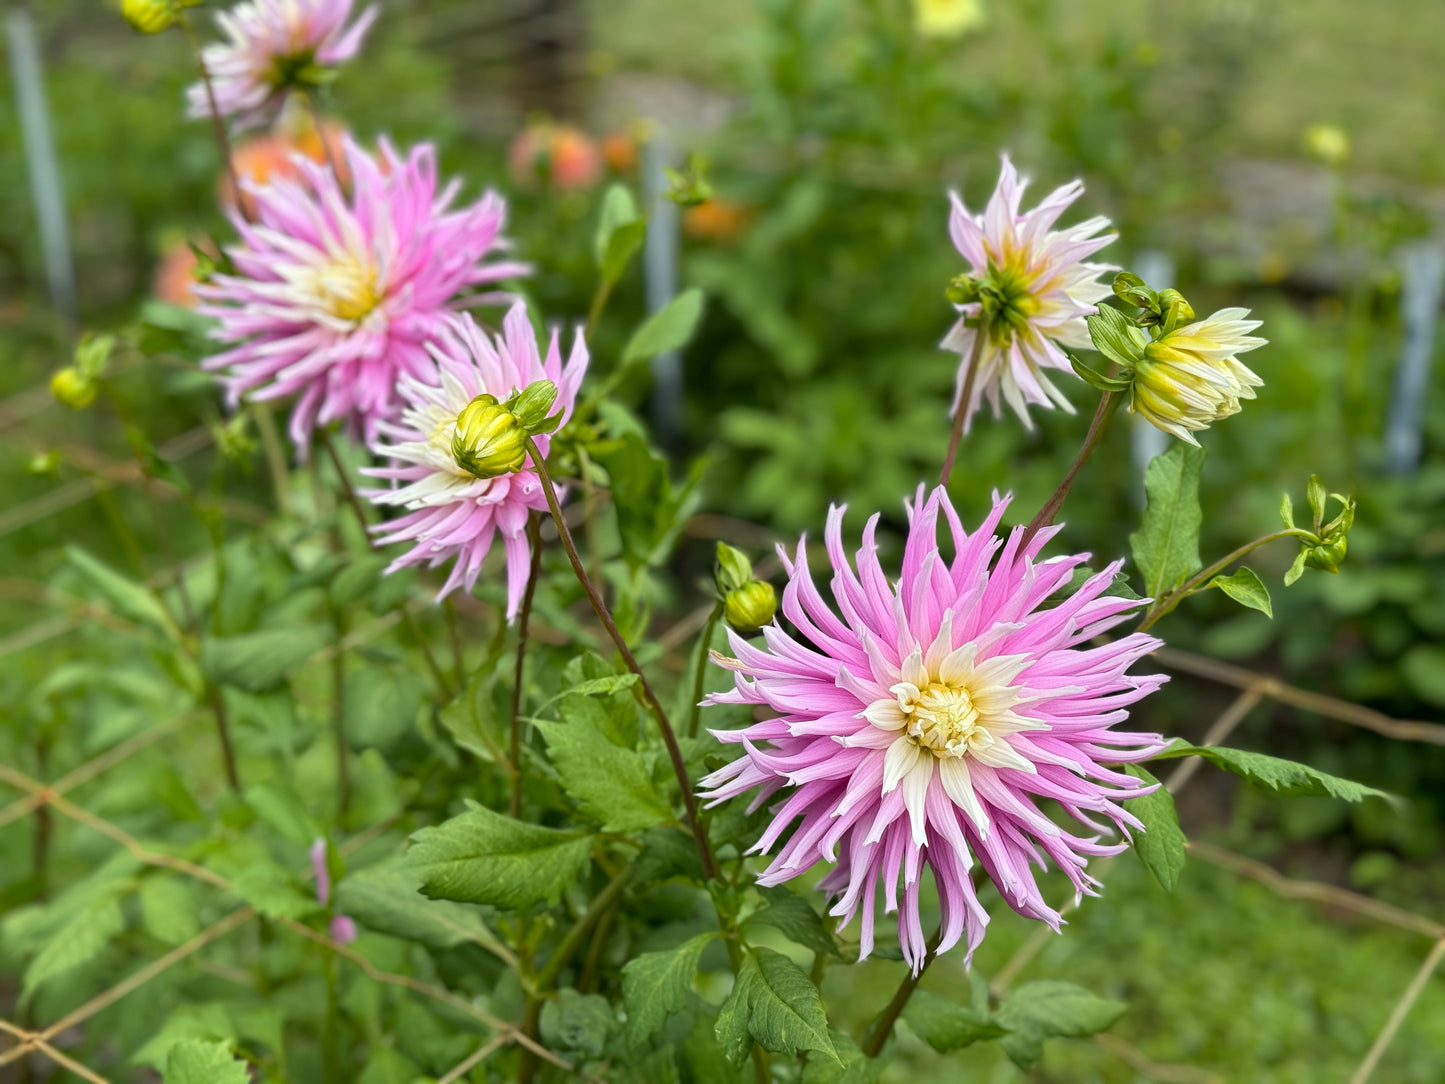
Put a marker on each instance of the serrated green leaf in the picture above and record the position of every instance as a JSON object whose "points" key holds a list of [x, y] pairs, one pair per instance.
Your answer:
{"points": [[1049, 1009], [260, 661], [205, 1021], [281, 809], [667, 329], [129, 598], [204, 1061], [75, 944], [485, 857], [775, 1003], [387, 898], [1246, 588], [1162, 846], [169, 909], [947, 1027], [1166, 545], [655, 985], [270, 890], [795, 917], [1286, 777], [613, 784], [580, 1022]]}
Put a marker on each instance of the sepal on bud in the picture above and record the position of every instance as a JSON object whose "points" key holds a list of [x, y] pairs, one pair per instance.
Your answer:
{"points": [[1323, 547], [733, 569], [531, 404], [1116, 338]]}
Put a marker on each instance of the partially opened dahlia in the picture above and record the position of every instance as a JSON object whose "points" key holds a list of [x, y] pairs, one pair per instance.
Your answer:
{"points": [[274, 46], [336, 293], [922, 722], [1030, 292], [451, 514]]}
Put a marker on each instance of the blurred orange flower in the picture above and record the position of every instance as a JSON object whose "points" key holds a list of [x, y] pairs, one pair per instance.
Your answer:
{"points": [[717, 220], [564, 156], [269, 156]]}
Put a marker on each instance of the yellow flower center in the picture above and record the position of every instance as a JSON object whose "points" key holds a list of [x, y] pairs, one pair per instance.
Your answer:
{"points": [[942, 719], [347, 290]]}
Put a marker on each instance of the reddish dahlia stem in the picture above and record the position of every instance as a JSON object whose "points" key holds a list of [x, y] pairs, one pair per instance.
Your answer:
{"points": [[534, 539], [218, 125], [1051, 507], [669, 737]]}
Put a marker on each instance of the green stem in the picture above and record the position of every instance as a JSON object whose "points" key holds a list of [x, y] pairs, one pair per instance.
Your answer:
{"points": [[669, 736], [218, 126], [1169, 601], [338, 716], [1107, 402], [703, 647], [534, 539], [547, 977], [275, 455], [960, 416], [882, 1028]]}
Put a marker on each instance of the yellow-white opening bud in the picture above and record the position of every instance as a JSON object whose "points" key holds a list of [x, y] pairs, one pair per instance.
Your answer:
{"points": [[73, 388], [750, 607], [489, 439], [1190, 377]]}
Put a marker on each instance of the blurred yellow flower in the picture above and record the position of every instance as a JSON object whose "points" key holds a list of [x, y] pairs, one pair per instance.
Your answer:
{"points": [[947, 18], [1328, 143]]}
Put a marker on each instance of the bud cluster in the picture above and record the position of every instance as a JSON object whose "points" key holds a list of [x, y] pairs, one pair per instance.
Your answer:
{"points": [[1322, 546], [748, 603], [1005, 300], [491, 436]]}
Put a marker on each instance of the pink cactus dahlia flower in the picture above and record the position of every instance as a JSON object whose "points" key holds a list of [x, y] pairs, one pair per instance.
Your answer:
{"points": [[450, 513], [923, 725], [1031, 291], [335, 296], [272, 47]]}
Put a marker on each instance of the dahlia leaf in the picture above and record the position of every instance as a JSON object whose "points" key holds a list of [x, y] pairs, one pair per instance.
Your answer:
{"points": [[283, 811], [475, 719], [1166, 545], [1246, 588], [1285, 777], [75, 944], [259, 661], [619, 209], [485, 857], [776, 1003], [795, 917], [1162, 846], [270, 890], [856, 1067], [622, 245], [611, 783], [655, 985], [1049, 1009], [385, 898], [947, 1027], [667, 329], [130, 599], [579, 1022], [650, 509], [204, 1061]]}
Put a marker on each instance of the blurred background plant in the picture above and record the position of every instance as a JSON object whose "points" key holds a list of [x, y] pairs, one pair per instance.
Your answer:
{"points": [[1267, 155]]}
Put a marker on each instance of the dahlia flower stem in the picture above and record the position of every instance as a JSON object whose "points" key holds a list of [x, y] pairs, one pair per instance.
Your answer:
{"points": [[877, 1036], [1107, 402], [669, 736], [218, 125], [223, 731], [960, 416], [1163, 605], [359, 510], [338, 715], [534, 539], [702, 656]]}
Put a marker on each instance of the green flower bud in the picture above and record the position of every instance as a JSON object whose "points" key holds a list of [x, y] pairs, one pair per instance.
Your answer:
{"points": [[43, 464], [750, 607], [150, 16], [962, 290], [531, 404], [1325, 546], [733, 569], [73, 388], [1130, 288], [489, 440]]}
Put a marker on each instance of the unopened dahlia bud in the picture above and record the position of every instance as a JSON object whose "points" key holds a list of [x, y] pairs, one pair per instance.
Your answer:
{"points": [[150, 16], [74, 388], [750, 607], [1190, 377], [1325, 545], [489, 439], [531, 404], [733, 569]]}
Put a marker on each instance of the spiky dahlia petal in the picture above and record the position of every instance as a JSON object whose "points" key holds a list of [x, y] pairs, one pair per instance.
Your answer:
{"points": [[920, 722], [336, 294], [449, 514]]}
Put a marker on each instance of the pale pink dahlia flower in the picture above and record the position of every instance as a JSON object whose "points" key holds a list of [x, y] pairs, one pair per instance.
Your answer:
{"points": [[450, 513], [1034, 290], [923, 725], [273, 46], [335, 296]]}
